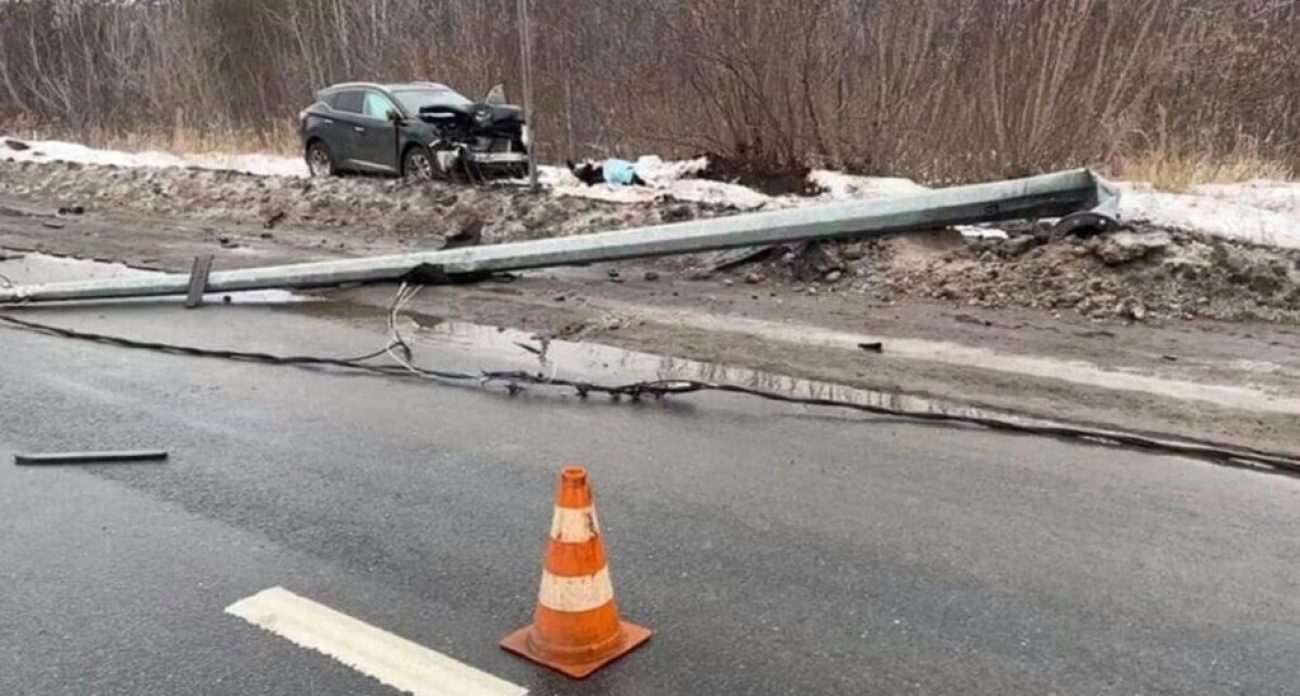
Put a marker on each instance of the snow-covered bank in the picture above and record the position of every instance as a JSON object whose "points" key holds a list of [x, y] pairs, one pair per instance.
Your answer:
{"points": [[1262, 212], [58, 151], [1240, 218]]}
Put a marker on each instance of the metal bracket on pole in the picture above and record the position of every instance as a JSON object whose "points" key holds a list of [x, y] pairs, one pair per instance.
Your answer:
{"points": [[198, 280]]}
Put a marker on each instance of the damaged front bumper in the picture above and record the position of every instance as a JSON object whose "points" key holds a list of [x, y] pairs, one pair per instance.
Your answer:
{"points": [[497, 158]]}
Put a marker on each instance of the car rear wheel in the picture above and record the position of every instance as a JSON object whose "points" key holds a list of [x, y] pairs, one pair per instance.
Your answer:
{"points": [[417, 165], [319, 160]]}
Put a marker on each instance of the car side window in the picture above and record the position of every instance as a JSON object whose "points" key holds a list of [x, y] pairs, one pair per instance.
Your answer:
{"points": [[378, 106], [349, 101]]}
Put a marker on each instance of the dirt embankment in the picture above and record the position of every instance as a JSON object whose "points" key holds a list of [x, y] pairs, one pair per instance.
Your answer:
{"points": [[355, 206], [1139, 274]]}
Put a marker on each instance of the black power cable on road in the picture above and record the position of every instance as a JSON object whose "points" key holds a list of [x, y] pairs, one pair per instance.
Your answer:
{"points": [[400, 352]]}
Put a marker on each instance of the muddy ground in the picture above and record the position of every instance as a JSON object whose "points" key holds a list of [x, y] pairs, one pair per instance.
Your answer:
{"points": [[1155, 330], [363, 209]]}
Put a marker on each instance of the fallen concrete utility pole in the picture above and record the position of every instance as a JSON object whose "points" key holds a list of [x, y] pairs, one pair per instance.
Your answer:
{"points": [[1048, 196]]}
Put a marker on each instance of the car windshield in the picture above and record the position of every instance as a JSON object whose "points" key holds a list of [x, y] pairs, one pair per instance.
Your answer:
{"points": [[415, 99]]}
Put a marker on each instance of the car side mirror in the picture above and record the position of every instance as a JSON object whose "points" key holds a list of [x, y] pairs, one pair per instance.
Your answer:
{"points": [[395, 118]]}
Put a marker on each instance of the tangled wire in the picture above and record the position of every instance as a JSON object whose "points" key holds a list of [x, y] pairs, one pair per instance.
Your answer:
{"points": [[400, 352]]}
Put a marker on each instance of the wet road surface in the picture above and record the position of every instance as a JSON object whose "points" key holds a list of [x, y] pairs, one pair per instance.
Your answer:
{"points": [[775, 550]]}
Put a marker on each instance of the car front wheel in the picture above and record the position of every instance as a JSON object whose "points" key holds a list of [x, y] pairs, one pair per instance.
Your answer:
{"points": [[417, 165], [319, 160]]}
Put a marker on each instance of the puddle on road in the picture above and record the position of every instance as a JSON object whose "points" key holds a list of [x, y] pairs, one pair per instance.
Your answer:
{"points": [[616, 366], [1075, 371], [610, 365], [32, 268]]}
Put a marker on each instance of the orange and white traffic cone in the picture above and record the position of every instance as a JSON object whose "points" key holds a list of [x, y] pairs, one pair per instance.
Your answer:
{"points": [[576, 628]]}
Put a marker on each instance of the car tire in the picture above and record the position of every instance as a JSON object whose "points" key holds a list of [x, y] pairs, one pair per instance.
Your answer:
{"points": [[417, 165], [320, 161]]}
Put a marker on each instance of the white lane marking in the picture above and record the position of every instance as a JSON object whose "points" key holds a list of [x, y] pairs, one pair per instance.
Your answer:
{"points": [[391, 659], [576, 594], [574, 525]]}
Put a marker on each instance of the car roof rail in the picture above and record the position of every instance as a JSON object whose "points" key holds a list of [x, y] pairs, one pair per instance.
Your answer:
{"points": [[354, 85]]}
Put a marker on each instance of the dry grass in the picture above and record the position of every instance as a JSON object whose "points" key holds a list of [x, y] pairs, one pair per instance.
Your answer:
{"points": [[277, 139], [1175, 91], [1182, 170]]}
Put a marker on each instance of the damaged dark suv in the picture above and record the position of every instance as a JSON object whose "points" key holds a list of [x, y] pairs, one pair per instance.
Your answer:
{"points": [[418, 130]]}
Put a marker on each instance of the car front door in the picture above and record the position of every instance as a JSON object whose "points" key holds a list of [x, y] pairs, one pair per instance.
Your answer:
{"points": [[377, 135]]}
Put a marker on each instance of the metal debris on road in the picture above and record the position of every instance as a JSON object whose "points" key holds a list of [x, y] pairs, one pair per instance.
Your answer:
{"points": [[57, 458]]}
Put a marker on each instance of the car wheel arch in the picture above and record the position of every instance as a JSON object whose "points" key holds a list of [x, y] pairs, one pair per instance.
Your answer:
{"points": [[406, 151], [319, 142]]}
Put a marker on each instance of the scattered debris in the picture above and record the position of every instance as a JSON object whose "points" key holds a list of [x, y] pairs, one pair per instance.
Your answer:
{"points": [[57, 458], [652, 275], [16, 145], [727, 260], [72, 210], [968, 319], [1141, 274], [52, 224], [1126, 247], [276, 218], [678, 213], [876, 347], [470, 234]]}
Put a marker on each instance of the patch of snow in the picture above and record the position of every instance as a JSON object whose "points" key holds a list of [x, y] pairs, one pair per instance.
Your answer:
{"points": [[838, 186], [59, 151], [665, 179], [1277, 196], [1237, 220], [655, 170], [982, 232]]}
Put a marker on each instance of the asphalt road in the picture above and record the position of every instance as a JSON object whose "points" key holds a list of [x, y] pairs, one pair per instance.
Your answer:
{"points": [[775, 550]]}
